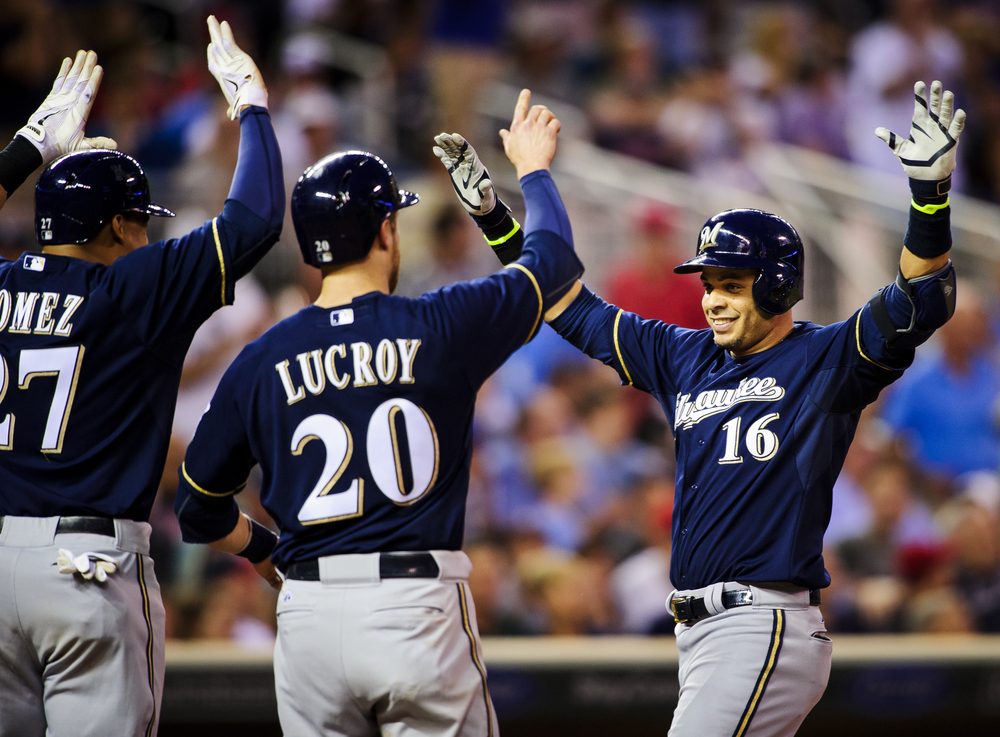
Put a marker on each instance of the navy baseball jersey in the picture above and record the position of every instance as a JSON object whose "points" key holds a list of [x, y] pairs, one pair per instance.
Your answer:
{"points": [[360, 416], [759, 439], [91, 355]]}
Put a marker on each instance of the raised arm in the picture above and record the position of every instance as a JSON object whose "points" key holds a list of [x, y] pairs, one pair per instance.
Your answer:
{"points": [[500, 313], [172, 286], [530, 145], [56, 128], [256, 205], [922, 298]]}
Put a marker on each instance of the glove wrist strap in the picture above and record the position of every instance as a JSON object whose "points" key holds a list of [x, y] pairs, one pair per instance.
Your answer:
{"points": [[17, 161], [930, 192]]}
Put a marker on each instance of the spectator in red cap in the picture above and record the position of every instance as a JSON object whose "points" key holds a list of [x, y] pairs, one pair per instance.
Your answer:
{"points": [[647, 284]]}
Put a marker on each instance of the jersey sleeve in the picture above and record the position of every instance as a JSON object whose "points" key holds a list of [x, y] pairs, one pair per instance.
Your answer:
{"points": [[170, 287], [488, 319], [217, 464], [641, 351]]}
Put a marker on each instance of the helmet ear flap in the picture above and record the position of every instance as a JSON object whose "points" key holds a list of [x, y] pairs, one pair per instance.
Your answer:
{"points": [[776, 295]]}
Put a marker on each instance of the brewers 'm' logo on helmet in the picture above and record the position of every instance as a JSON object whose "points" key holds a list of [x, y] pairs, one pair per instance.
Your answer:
{"points": [[708, 236]]}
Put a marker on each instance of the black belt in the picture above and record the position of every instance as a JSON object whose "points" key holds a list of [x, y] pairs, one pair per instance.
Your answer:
{"points": [[390, 565], [690, 609], [87, 525]]}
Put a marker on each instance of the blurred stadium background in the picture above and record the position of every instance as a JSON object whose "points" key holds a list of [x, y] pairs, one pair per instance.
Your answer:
{"points": [[672, 111]]}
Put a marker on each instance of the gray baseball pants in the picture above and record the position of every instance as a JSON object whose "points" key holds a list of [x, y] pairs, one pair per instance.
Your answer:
{"points": [[361, 656], [752, 671], [78, 657]]}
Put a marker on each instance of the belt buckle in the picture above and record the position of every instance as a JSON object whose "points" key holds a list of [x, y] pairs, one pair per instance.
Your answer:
{"points": [[682, 603]]}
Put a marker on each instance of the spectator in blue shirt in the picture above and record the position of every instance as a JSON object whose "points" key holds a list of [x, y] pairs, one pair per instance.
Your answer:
{"points": [[946, 405]]}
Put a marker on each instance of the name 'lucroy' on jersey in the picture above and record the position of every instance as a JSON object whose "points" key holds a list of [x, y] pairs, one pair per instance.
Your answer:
{"points": [[361, 416]]}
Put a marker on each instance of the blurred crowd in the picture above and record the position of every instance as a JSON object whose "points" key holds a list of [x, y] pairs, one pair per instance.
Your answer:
{"points": [[569, 512]]}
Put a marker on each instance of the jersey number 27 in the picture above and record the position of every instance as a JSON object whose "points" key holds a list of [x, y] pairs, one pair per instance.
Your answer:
{"points": [[63, 363]]}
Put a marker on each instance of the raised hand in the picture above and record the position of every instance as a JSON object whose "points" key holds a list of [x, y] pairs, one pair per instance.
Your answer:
{"points": [[235, 71], [929, 152], [468, 175], [56, 128], [530, 143]]}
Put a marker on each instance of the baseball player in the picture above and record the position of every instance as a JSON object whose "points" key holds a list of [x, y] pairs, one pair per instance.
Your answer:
{"points": [[93, 332], [359, 411], [56, 128], [763, 410]]}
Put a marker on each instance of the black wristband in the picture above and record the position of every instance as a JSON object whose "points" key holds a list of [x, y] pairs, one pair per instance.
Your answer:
{"points": [[494, 217], [261, 545], [17, 161], [502, 232], [928, 236]]}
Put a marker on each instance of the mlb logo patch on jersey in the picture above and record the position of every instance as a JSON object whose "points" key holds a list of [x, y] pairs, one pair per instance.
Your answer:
{"points": [[34, 263], [342, 317]]}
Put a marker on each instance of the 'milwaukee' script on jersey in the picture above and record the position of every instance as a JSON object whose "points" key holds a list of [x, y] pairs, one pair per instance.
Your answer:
{"points": [[708, 403], [39, 313], [342, 365]]}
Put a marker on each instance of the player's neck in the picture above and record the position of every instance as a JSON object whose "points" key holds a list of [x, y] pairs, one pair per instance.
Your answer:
{"points": [[781, 327], [98, 254], [343, 285]]}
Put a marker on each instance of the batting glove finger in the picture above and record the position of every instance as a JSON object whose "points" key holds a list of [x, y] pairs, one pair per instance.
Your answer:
{"points": [[56, 128], [929, 151], [235, 71], [468, 175]]}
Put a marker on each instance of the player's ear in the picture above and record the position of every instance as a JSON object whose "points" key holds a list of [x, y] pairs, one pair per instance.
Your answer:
{"points": [[117, 224], [387, 232]]}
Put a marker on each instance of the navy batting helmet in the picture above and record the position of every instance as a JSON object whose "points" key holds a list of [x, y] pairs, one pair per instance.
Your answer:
{"points": [[754, 239], [80, 192], [339, 204]]}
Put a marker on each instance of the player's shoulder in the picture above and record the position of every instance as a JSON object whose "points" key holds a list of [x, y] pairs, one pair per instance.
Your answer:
{"points": [[816, 333], [46, 266], [285, 332]]}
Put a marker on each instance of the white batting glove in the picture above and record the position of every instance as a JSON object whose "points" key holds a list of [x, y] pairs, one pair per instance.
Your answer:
{"points": [[88, 565], [929, 152], [56, 128], [238, 76], [468, 175]]}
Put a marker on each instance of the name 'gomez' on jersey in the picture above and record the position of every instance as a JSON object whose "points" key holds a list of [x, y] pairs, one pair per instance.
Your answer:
{"points": [[360, 416], [759, 439], [90, 360]]}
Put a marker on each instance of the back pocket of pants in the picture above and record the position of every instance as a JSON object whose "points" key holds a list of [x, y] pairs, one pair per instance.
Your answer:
{"points": [[405, 617]]}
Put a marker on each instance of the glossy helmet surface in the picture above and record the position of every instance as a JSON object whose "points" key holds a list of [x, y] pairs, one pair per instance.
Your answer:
{"points": [[339, 205], [78, 193], [754, 239]]}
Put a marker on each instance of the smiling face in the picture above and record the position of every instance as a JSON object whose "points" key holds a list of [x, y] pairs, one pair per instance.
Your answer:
{"points": [[737, 323]]}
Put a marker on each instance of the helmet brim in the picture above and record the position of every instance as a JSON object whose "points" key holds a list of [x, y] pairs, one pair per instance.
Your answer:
{"points": [[408, 198], [735, 261], [153, 209]]}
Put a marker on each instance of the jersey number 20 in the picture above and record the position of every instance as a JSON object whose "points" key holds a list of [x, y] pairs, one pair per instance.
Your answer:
{"points": [[384, 453]]}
